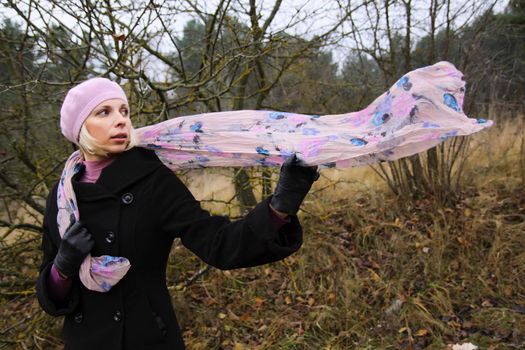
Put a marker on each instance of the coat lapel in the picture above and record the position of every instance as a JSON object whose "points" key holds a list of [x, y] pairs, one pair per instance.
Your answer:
{"points": [[129, 167]]}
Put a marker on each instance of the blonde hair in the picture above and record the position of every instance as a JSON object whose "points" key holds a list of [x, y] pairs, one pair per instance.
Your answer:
{"points": [[88, 144]]}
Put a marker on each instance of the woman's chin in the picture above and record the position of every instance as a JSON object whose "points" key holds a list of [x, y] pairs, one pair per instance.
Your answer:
{"points": [[116, 149]]}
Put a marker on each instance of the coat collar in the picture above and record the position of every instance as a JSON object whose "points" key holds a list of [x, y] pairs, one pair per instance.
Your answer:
{"points": [[129, 167]]}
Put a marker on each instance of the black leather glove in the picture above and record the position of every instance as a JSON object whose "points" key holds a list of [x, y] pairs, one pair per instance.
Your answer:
{"points": [[75, 246], [294, 183]]}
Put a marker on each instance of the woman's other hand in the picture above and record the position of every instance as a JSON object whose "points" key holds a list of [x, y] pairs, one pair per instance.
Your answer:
{"points": [[75, 246]]}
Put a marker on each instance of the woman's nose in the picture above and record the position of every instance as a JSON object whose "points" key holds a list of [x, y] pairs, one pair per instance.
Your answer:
{"points": [[121, 120]]}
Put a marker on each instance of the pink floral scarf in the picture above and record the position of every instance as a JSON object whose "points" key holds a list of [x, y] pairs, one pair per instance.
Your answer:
{"points": [[422, 109]]}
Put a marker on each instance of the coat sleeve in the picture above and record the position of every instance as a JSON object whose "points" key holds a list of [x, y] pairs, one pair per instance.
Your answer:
{"points": [[219, 242], [49, 249]]}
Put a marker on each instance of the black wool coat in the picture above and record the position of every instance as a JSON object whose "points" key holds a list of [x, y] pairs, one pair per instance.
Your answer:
{"points": [[136, 209]]}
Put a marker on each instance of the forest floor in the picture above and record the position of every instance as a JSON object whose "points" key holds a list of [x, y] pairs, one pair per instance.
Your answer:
{"points": [[374, 272]]}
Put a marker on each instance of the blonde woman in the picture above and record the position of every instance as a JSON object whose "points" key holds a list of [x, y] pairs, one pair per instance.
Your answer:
{"points": [[111, 220]]}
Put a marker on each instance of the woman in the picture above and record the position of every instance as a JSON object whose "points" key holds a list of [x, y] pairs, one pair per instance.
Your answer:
{"points": [[129, 208]]}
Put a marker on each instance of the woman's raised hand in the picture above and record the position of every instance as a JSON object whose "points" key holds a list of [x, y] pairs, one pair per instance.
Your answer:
{"points": [[294, 183]]}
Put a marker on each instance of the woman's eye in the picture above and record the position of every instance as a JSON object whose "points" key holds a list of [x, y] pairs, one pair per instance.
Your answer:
{"points": [[103, 112], [124, 112]]}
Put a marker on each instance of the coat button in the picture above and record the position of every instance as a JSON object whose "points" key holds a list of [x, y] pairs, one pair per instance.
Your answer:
{"points": [[127, 198], [117, 316], [79, 317], [110, 237]]}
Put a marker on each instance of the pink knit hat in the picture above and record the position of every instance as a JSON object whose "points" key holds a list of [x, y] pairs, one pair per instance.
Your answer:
{"points": [[80, 101]]}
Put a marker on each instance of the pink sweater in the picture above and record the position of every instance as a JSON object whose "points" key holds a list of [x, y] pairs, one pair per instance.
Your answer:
{"points": [[59, 287]]}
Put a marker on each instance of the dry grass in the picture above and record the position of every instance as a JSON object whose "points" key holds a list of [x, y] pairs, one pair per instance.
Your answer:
{"points": [[373, 273]]}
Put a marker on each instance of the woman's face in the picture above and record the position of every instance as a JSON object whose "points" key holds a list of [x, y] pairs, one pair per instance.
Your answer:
{"points": [[110, 126]]}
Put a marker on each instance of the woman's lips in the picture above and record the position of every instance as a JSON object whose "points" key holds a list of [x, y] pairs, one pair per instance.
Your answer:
{"points": [[120, 138]]}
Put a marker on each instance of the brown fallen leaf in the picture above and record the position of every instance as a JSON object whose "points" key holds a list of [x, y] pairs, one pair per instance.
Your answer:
{"points": [[259, 301], [374, 276], [331, 298], [486, 303], [461, 240], [245, 317], [421, 332]]}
